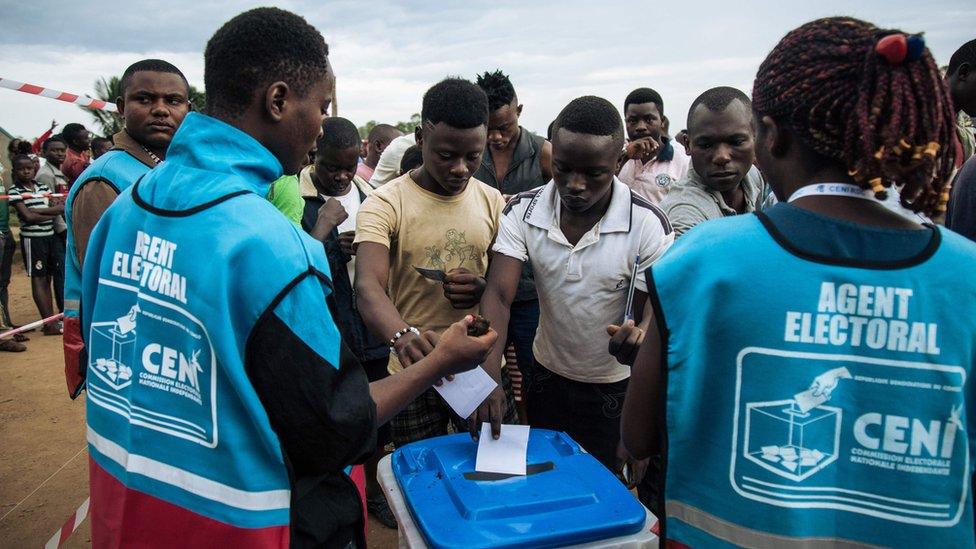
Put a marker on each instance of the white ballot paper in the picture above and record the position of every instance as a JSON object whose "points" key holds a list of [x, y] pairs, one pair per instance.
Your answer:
{"points": [[467, 391], [505, 455]]}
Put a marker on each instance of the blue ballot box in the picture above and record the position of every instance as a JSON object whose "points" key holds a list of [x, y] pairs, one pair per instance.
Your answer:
{"points": [[566, 498]]}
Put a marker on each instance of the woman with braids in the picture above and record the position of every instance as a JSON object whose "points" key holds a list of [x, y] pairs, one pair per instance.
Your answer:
{"points": [[808, 383]]}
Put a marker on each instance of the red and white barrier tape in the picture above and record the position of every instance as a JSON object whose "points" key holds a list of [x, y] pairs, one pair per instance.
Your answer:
{"points": [[70, 525], [34, 195], [83, 100], [32, 325]]}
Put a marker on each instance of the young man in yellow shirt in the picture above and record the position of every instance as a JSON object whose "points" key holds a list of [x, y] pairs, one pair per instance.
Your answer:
{"points": [[439, 218]]}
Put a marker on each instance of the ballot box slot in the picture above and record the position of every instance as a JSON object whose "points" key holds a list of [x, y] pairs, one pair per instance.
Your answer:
{"points": [[531, 469]]}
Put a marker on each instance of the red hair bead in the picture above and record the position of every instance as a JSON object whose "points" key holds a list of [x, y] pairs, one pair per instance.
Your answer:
{"points": [[893, 48]]}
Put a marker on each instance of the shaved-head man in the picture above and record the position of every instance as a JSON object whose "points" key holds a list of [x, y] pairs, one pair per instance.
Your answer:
{"points": [[377, 140]]}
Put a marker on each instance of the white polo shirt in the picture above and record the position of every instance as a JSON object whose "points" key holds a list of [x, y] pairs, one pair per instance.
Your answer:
{"points": [[582, 288]]}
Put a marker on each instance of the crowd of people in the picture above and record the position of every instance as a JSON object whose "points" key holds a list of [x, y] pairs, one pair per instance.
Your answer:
{"points": [[41, 173], [265, 273]]}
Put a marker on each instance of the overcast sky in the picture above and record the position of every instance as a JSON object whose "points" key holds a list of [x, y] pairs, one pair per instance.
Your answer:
{"points": [[386, 54]]}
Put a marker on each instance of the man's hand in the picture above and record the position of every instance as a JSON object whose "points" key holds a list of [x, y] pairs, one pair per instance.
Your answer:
{"points": [[411, 347], [345, 242], [331, 214], [642, 149], [633, 469], [463, 288], [54, 124], [458, 352], [625, 341], [492, 410]]}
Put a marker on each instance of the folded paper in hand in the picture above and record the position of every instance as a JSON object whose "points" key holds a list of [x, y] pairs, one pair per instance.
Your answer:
{"points": [[432, 274], [467, 391]]}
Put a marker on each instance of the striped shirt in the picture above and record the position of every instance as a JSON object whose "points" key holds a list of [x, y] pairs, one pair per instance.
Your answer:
{"points": [[33, 230]]}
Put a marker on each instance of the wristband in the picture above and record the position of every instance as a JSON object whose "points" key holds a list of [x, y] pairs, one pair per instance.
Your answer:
{"points": [[398, 335]]}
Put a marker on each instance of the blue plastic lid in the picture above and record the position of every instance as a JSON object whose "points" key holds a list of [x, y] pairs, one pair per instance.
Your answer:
{"points": [[567, 497]]}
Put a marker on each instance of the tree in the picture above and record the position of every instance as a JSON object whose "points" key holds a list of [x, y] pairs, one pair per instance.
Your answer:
{"points": [[366, 128], [198, 100], [109, 90], [405, 127], [408, 127]]}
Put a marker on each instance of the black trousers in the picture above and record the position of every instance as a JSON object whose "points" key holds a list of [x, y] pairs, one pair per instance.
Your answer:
{"points": [[587, 412], [590, 414]]}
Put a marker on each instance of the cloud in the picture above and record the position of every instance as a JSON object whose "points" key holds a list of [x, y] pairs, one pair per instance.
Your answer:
{"points": [[386, 53], [661, 71]]}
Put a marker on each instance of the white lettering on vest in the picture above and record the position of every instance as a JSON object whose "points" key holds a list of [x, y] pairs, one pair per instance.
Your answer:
{"points": [[905, 436], [862, 315], [147, 354], [170, 363], [151, 265]]}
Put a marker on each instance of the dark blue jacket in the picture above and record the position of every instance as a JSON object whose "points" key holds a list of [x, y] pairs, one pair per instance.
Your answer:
{"points": [[363, 343]]}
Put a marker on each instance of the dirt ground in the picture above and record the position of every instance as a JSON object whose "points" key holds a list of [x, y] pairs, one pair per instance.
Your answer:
{"points": [[43, 454]]}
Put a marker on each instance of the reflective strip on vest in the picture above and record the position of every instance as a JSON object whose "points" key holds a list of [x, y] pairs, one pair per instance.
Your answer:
{"points": [[270, 500], [746, 537]]}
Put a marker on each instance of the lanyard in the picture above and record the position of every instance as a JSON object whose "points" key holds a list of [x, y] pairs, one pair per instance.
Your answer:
{"points": [[832, 189]]}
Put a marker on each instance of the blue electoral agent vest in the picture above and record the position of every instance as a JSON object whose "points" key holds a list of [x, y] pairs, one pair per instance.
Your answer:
{"points": [[120, 170], [816, 400], [179, 270]]}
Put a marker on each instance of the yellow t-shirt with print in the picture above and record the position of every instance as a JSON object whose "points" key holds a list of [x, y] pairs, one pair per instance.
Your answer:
{"points": [[424, 229]]}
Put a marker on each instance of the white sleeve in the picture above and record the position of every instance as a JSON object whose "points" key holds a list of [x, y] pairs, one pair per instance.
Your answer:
{"points": [[511, 235], [388, 166]]}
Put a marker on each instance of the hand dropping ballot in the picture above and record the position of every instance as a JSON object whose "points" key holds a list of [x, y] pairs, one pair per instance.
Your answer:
{"points": [[507, 454], [468, 389], [127, 322], [820, 389]]}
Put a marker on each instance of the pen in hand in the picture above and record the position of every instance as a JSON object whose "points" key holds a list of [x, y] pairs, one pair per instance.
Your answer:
{"points": [[629, 311]]}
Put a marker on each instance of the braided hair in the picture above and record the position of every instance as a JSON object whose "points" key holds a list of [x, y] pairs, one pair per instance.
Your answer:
{"points": [[870, 98]]}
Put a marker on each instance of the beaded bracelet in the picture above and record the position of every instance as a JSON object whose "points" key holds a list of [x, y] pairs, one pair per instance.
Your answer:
{"points": [[398, 335]]}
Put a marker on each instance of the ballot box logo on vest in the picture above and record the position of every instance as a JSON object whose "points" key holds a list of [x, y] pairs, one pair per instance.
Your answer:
{"points": [[852, 408], [118, 337], [812, 430], [141, 334]]}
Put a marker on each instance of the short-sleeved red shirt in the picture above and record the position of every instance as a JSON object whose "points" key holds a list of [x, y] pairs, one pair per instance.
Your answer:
{"points": [[75, 163]]}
